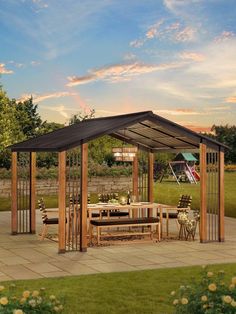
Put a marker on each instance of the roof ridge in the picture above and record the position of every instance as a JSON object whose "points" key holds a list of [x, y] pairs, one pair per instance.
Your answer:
{"points": [[119, 115]]}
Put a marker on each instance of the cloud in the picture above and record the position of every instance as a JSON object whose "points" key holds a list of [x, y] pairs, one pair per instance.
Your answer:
{"points": [[220, 108], [35, 63], [153, 31], [231, 99], [16, 64], [130, 56], [186, 34], [120, 72], [176, 6], [104, 113], [61, 109], [198, 128], [194, 56], [39, 98], [217, 71], [224, 36], [137, 43], [178, 112], [40, 4], [162, 30], [3, 69]]}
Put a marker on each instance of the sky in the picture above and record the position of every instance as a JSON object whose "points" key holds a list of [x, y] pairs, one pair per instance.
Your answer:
{"points": [[174, 57]]}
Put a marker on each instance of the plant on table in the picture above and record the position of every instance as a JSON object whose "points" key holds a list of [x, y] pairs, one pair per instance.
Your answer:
{"points": [[210, 295], [33, 302]]}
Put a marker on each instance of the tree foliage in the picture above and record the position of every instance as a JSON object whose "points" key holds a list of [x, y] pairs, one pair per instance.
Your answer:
{"points": [[28, 118], [81, 116], [227, 135], [21, 120]]}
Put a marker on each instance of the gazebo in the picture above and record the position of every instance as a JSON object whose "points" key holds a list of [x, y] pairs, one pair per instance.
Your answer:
{"points": [[144, 130]]}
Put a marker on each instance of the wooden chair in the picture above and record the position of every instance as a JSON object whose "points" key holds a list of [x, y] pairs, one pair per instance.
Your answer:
{"points": [[114, 212], [172, 212], [46, 219]]}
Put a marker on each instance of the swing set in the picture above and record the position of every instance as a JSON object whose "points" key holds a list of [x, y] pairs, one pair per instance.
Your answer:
{"points": [[182, 168]]}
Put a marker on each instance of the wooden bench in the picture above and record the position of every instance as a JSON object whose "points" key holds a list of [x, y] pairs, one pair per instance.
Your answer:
{"points": [[124, 222]]}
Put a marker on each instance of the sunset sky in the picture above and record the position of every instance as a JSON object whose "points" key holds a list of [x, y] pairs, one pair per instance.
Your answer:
{"points": [[174, 57]]}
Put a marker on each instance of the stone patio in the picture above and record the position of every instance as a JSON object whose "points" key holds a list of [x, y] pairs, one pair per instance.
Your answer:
{"points": [[25, 257]]}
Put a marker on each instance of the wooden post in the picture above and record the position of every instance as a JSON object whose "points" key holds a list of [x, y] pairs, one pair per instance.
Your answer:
{"points": [[203, 191], [62, 202], [14, 193], [221, 197], [32, 192], [135, 183], [150, 182], [83, 197]]}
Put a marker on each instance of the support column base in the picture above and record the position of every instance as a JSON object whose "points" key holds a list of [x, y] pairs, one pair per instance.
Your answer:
{"points": [[83, 249], [221, 239], [203, 241], [14, 233], [61, 251]]}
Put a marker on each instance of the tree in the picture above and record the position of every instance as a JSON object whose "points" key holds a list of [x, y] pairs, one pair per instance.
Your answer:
{"points": [[10, 128], [227, 135], [81, 116], [28, 117], [46, 159]]}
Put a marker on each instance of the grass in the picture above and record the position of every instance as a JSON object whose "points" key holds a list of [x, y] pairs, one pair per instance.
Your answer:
{"points": [[117, 293], [169, 192], [165, 192]]}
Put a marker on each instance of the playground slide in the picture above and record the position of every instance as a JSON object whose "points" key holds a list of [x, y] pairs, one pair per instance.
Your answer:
{"points": [[189, 176], [196, 175]]}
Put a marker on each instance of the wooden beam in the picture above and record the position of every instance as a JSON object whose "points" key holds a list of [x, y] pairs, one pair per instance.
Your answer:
{"points": [[135, 183], [62, 202], [221, 197], [203, 192], [150, 181], [14, 193], [32, 192], [83, 197]]}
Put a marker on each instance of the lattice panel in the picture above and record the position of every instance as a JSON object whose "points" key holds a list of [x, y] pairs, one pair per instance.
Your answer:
{"points": [[212, 195], [73, 199], [23, 193], [143, 181]]}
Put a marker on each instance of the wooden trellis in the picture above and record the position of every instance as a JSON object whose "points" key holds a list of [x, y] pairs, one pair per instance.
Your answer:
{"points": [[212, 194], [73, 199], [23, 193]]}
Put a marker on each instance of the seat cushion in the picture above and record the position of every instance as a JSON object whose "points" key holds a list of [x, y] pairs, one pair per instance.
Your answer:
{"points": [[124, 221], [119, 214], [51, 221], [171, 215]]}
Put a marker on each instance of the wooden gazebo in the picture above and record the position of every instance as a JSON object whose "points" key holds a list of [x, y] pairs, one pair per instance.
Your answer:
{"points": [[145, 130]]}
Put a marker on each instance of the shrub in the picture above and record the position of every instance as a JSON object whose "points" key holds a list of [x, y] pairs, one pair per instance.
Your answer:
{"points": [[210, 295], [28, 302], [230, 168]]}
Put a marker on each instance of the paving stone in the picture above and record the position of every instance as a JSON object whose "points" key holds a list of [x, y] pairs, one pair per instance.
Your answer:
{"points": [[25, 257], [42, 267], [13, 260], [19, 272]]}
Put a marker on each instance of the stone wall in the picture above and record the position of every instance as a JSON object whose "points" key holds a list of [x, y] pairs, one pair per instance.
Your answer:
{"points": [[95, 185]]}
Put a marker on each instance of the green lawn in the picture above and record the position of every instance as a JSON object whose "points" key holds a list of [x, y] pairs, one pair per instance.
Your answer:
{"points": [[167, 192], [129, 292]]}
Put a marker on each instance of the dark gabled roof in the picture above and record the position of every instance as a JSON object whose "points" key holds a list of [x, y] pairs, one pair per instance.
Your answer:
{"points": [[144, 129]]}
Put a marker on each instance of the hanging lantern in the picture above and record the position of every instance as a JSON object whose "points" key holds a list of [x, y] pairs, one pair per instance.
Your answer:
{"points": [[124, 153]]}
